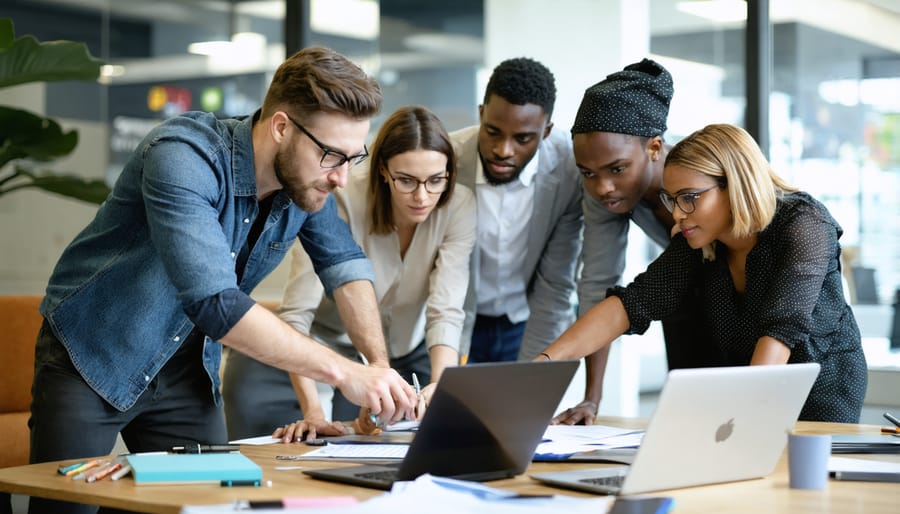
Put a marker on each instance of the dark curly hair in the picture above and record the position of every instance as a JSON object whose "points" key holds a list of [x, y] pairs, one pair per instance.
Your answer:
{"points": [[523, 81]]}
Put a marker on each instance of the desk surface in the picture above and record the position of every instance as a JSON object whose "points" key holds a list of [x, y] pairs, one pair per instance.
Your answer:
{"points": [[769, 494]]}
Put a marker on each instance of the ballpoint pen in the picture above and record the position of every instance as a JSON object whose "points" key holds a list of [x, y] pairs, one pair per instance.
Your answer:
{"points": [[890, 417], [416, 384]]}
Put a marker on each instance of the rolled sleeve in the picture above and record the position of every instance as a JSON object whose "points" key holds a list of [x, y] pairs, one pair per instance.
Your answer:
{"points": [[336, 257], [339, 274], [216, 315], [450, 278]]}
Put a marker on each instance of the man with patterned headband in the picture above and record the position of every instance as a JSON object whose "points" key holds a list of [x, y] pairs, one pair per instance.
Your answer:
{"points": [[619, 149]]}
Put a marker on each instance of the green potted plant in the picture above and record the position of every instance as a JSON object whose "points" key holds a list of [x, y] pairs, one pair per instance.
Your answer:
{"points": [[28, 140]]}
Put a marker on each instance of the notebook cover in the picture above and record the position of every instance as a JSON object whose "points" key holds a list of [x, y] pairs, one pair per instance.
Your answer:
{"points": [[187, 468], [865, 443]]}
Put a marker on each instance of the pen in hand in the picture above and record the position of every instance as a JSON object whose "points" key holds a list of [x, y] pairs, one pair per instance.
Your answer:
{"points": [[416, 384]]}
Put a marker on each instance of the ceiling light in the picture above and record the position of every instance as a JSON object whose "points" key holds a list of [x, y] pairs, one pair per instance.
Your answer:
{"points": [[716, 10], [357, 19]]}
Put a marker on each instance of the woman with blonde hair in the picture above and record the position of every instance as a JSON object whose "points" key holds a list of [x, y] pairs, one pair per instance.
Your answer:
{"points": [[765, 260]]}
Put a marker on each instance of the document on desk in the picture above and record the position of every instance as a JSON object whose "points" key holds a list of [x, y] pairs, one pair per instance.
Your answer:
{"points": [[257, 441], [442, 496], [588, 443], [358, 452], [867, 470]]}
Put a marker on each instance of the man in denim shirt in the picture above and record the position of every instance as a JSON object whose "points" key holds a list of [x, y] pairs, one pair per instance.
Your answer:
{"points": [[140, 301]]}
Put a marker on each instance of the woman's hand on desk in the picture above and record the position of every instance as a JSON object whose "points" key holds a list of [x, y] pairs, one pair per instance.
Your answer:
{"points": [[311, 428], [582, 414]]}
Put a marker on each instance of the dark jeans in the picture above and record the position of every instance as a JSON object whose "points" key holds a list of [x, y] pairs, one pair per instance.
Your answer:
{"points": [[260, 398], [495, 339], [70, 421]]}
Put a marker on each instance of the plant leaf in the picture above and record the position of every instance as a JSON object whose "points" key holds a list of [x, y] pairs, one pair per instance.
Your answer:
{"points": [[26, 60], [24, 134], [72, 186]]}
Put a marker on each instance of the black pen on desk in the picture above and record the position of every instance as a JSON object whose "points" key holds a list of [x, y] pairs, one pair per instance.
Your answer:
{"points": [[256, 504], [205, 448], [890, 417]]}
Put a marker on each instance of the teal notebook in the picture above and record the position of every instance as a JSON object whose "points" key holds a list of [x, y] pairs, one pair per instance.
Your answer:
{"points": [[178, 468]]}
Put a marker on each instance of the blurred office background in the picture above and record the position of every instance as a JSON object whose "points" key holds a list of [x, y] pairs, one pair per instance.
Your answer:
{"points": [[830, 98]]}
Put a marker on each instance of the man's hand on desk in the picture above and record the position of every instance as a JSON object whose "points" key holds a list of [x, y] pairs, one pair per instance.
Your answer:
{"points": [[311, 428], [582, 414]]}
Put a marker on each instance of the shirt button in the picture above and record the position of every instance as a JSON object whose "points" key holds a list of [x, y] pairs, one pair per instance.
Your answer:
{"points": [[232, 255], [146, 378], [246, 220], [177, 338]]}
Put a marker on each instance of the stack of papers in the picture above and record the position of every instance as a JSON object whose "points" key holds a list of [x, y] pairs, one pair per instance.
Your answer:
{"points": [[865, 443], [358, 452], [592, 442], [842, 468]]}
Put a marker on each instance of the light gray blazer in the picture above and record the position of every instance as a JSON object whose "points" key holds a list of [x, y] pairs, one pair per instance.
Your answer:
{"points": [[554, 240]]}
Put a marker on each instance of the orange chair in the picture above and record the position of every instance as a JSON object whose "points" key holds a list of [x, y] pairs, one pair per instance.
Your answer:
{"points": [[19, 325]]}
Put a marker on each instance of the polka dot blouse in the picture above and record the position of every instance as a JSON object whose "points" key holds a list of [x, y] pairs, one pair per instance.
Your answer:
{"points": [[793, 293]]}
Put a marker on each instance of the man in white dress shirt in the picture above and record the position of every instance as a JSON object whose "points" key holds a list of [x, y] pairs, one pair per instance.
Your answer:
{"points": [[529, 218]]}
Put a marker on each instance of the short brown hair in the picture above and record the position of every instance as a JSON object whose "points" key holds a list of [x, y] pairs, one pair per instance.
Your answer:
{"points": [[408, 128], [318, 79]]}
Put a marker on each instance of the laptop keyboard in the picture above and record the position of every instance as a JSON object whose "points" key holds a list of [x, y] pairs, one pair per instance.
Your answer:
{"points": [[615, 480]]}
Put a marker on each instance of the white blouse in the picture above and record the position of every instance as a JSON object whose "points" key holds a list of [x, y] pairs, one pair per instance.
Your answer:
{"points": [[420, 295]]}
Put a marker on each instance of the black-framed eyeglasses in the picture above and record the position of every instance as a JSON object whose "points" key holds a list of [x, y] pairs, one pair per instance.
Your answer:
{"points": [[687, 202], [331, 158], [434, 185]]}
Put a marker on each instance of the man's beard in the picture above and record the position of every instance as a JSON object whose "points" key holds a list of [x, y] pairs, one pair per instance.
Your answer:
{"points": [[495, 181], [301, 194]]}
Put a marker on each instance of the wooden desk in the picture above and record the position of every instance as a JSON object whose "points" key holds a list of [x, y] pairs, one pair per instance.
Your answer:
{"points": [[768, 495]]}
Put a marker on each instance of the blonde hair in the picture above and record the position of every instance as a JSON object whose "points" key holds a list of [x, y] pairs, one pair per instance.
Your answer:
{"points": [[730, 154]]}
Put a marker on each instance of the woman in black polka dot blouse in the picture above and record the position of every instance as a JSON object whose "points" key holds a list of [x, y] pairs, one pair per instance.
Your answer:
{"points": [[765, 260]]}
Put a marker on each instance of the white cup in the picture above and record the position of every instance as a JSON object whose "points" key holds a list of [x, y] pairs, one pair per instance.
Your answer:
{"points": [[808, 460]]}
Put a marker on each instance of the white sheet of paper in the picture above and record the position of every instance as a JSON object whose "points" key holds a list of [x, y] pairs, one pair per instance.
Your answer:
{"points": [[358, 452], [871, 465], [258, 441]]}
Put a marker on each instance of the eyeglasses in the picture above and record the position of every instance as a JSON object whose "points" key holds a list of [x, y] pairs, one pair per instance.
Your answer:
{"points": [[331, 158], [685, 201], [433, 185]]}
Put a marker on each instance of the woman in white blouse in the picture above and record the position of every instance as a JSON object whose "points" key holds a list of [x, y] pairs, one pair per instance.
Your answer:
{"points": [[418, 229]]}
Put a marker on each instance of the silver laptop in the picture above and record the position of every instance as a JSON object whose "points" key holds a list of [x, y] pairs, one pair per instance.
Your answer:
{"points": [[710, 425], [483, 423]]}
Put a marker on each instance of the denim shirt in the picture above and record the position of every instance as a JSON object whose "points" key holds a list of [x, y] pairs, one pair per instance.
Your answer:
{"points": [[168, 236]]}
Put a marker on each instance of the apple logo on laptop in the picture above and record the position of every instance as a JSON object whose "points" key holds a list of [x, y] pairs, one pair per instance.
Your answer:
{"points": [[724, 431]]}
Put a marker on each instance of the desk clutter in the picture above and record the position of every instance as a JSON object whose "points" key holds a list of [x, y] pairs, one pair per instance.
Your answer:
{"points": [[441, 495], [228, 469]]}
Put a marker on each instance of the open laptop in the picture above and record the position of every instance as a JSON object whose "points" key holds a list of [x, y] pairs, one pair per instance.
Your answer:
{"points": [[483, 423], [710, 425]]}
